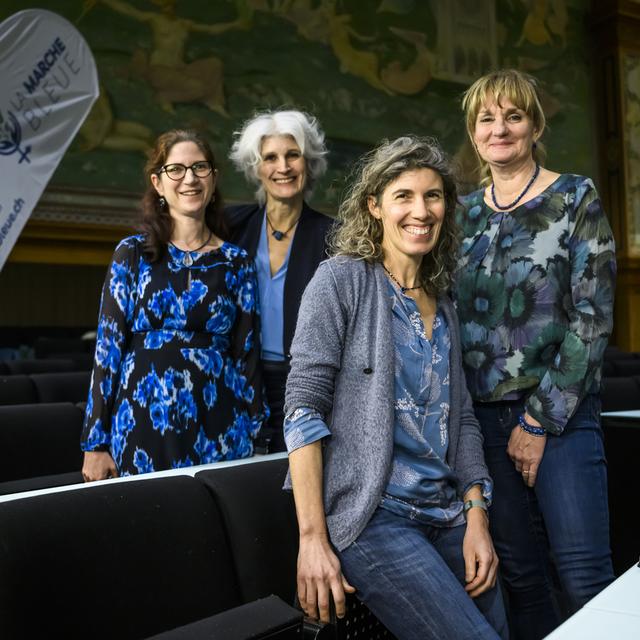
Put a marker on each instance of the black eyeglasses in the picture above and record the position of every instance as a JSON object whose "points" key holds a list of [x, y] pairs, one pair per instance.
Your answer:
{"points": [[177, 171]]}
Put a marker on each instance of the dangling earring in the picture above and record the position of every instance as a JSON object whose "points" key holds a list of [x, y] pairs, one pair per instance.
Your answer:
{"points": [[162, 202], [535, 145]]}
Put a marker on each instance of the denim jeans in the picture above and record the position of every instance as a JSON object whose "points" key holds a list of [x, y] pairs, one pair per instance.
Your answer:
{"points": [[410, 575], [564, 518]]}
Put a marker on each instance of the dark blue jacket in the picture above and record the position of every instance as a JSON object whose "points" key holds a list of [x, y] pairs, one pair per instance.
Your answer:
{"points": [[308, 249]]}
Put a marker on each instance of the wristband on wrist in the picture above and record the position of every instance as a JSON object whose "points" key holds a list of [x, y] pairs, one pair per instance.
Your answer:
{"points": [[531, 429], [470, 504]]}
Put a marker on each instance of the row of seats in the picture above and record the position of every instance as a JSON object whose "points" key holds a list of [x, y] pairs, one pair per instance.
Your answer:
{"points": [[39, 446], [618, 363], [619, 368], [41, 421], [620, 393], [210, 556], [134, 559], [65, 386], [71, 362]]}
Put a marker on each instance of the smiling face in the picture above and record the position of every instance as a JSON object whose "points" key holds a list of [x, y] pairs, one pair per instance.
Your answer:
{"points": [[190, 195], [282, 168], [411, 210], [503, 134]]}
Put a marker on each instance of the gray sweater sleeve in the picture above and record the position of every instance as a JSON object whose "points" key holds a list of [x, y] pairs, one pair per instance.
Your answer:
{"points": [[317, 345]]}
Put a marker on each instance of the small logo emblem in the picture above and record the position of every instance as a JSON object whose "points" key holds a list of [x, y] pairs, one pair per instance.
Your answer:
{"points": [[11, 137]]}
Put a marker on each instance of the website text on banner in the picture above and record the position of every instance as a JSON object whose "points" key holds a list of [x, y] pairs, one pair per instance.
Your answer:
{"points": [[49, 83]]}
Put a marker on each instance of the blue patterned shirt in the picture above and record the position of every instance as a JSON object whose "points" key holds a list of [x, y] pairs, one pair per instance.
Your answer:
{"points": [[422, 486]]}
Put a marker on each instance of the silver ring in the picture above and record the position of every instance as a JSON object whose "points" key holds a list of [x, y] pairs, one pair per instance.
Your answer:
{"points": [[525, 472]]}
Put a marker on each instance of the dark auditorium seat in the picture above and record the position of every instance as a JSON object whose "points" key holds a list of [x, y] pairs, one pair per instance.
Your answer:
{"points": [[262, 531], [608, 369], [17, 389], [40, 366], [121, 560], [626, 367], [612, 352], [39, 440], [620, 394], [266, 618], [177, 557], [63, 386], [41, 482], [46, 347], [245, 511]]}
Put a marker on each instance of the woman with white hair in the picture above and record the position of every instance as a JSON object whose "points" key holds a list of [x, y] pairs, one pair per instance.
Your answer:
{"points": [[283, 154]]}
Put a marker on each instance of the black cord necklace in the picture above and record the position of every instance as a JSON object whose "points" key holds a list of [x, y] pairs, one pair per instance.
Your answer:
{"points": [[524, 191], [187, 260], [276, 233], [403, 289]]}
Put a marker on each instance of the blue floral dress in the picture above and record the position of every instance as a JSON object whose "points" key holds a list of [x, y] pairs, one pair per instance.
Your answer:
{"points": [[176, 378]]}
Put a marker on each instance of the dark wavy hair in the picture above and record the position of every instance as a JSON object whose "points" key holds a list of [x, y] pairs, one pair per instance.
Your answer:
{"points": [[156, 223], [359, 234]]}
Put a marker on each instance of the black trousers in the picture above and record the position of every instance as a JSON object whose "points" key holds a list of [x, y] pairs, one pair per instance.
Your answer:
{"points": [[271, 436]]}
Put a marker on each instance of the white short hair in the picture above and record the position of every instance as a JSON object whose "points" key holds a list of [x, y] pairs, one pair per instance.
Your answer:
{"points": [[303, 128]]}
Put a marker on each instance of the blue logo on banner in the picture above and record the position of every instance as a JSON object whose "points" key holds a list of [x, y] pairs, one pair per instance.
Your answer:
{"points": [[11, 137]]}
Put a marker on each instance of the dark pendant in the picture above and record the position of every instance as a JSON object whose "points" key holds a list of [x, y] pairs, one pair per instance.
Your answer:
{"points": [[278, 235]]}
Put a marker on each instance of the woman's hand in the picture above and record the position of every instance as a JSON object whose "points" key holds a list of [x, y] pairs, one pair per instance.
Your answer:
{"points": [[98, 465], [319, 577], [526, 451], [480, 558]]}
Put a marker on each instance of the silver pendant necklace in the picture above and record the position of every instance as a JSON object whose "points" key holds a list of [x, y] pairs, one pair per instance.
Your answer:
{"points": [[187, 260]]}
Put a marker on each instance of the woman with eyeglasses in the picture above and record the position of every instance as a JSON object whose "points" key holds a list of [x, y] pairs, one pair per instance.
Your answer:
{"points": [[176, 378]]}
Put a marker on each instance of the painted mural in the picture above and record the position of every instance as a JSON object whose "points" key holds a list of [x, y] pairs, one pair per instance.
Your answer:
{"points": [[631, 76], [367, 69]]}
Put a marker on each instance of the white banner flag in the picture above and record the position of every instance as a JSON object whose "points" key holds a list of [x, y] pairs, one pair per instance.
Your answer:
{"points": [[48, 83]]}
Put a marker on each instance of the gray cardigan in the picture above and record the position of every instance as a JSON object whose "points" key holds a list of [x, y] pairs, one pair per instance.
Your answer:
{"points": [[343, 367]]}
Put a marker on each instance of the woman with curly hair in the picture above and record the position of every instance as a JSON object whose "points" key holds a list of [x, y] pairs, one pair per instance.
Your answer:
{"points": [[385, 453], [176, 378]]}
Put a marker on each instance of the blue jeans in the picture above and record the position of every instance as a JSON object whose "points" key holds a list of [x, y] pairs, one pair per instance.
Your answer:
{"points": [[565, 517], [410, 575]]}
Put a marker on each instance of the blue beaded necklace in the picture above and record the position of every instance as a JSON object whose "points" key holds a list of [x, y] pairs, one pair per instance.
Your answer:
{"points": [[524, 191]]}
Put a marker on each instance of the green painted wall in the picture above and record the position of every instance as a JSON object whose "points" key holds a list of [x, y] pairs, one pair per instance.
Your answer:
{"points": [[366, 69]]}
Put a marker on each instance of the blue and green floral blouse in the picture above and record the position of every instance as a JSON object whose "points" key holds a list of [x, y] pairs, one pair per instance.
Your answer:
{"points": [[176, 378], [534, 295]]}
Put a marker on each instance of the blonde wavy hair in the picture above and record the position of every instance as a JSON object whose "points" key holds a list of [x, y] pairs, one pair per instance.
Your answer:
{"points": [[358, 234], [517, 87]]}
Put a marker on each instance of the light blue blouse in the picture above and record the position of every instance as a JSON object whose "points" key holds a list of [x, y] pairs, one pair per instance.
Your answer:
{"points": [[271, 290]]}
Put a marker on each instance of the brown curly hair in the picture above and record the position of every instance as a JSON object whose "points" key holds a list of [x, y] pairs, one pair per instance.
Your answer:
{"points": [[359, 234], [156, 223]]}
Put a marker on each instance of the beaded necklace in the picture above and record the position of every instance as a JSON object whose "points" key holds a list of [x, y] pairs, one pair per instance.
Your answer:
{"points": [[524, 191], [403, 289]]}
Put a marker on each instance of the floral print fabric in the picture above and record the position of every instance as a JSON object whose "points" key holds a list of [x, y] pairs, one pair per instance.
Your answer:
{"points": [[534, 294], [176, 378]]}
